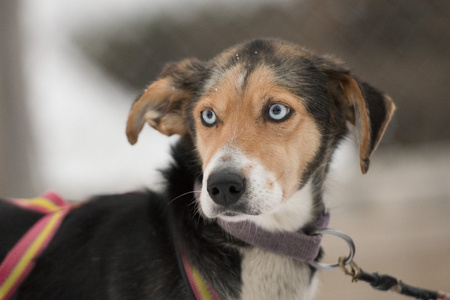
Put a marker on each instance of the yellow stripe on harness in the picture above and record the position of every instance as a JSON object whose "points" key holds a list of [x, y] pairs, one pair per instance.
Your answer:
{"points": [[201, 285], [30, 254], [21, 259], [40, 202]]}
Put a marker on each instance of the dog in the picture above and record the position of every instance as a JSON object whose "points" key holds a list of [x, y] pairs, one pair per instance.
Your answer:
{"points": [[258, 126]]}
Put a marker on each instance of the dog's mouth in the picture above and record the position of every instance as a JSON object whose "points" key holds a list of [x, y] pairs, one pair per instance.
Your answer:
{"points": [[230, 214], [236, 213], [248, 206]]}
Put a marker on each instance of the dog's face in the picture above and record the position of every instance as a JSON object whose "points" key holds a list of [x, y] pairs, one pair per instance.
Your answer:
{"points": [[255, 139], [265, 117]]}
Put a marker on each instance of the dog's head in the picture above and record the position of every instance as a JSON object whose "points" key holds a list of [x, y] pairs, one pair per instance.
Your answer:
{"points": [[265, 117]]}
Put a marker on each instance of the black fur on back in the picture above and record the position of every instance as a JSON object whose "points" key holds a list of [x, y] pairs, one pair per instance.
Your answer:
{"points": [[122, 246]]}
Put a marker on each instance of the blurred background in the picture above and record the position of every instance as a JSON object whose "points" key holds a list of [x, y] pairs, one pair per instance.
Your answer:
{"points": [[70, 70]]}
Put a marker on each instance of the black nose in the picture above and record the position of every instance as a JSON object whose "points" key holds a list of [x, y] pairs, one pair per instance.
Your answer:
{"points": [[225, 188]]}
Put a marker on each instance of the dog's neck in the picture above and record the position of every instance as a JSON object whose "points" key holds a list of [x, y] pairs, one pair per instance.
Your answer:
{"points": [[276, 239], [297, 245]]}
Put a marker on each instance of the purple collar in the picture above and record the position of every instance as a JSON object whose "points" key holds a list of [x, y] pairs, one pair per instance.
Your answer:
{"points": [[297, 244]]}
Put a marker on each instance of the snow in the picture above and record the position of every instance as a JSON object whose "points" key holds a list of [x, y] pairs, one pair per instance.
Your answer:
{"points": [[78, 115]]}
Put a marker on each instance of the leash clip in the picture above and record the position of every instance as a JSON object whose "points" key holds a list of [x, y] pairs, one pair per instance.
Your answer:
{"points": [[354, 271], [345, 260]]}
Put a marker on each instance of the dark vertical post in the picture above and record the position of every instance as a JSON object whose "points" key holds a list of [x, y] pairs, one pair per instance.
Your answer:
{"points": [[15, 178]]}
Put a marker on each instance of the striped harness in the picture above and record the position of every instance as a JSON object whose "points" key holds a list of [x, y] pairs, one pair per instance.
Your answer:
{"points": [[21, 258]]}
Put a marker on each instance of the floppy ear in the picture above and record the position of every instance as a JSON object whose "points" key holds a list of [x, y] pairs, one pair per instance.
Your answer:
{"points": [[368, 109], [164, 102]]}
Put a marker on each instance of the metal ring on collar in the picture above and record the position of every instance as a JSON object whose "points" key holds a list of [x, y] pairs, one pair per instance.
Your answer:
{"points": [[345, 237]]}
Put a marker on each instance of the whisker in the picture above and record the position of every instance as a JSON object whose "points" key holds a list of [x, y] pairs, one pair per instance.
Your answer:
{"points": [[184, 194], [281, 175], [197, 215]]}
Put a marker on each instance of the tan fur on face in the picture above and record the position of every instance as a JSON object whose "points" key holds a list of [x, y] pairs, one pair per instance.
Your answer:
{"points": [[284, 148]]}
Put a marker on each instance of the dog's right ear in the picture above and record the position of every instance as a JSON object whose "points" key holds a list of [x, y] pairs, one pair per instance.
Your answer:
{"points": [[164, 102], [365, 107]]}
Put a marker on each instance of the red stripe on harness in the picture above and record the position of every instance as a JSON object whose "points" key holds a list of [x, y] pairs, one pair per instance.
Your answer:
{"points": [[21, 259], [201, 289]]}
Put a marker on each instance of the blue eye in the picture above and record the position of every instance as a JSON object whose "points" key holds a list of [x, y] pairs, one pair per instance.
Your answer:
{"points": [[208, 117], [279, 112]]}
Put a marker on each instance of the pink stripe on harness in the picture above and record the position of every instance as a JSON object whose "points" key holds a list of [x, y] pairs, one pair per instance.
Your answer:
{"points": [[21, 258]]}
